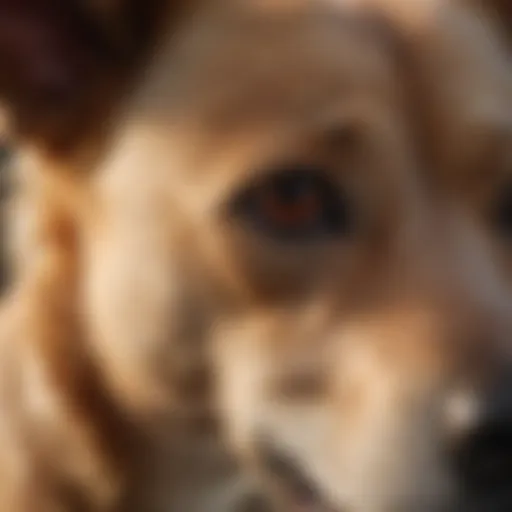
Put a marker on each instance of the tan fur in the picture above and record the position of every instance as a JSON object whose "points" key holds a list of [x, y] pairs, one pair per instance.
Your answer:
{"points": [[140, 313]]}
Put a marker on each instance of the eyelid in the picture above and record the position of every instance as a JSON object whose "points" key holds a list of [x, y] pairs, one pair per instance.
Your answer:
{"points": [[267, 173]]}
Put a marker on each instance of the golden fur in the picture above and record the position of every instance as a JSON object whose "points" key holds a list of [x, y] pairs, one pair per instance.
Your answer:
{"points": [[141, 315]]}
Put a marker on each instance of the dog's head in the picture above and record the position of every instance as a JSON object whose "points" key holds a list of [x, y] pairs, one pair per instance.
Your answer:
{"points": [[316, 197]]}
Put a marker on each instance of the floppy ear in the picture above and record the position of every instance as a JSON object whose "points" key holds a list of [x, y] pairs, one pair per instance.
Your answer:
{"points": [[502, 9], [61, 59]]}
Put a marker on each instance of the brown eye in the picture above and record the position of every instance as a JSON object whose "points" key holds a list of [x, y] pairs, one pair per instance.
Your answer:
{"points": [[297, 203]]}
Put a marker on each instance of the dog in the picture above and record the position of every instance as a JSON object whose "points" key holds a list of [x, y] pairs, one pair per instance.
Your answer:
{"points": [[276, 229]]}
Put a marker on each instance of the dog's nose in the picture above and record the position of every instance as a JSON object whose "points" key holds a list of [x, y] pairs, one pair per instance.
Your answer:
{"points": [[484, 455]]}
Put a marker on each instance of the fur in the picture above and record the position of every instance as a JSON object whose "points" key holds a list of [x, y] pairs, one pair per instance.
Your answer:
{"points": [[148, 336]]}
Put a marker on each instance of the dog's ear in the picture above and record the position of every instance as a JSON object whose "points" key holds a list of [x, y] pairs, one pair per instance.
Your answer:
{"points": [[502, 10], [505, 12], [59, 59]]}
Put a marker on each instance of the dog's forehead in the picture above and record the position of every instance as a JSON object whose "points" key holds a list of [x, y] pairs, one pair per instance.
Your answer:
{"points": [[248, 63]]}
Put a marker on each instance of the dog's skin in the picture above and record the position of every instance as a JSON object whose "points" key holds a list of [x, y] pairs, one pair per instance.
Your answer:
{"points": [[151, 282]]}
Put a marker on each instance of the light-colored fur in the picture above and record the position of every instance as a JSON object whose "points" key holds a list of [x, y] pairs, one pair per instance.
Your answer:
{"points": [[140, 311]]}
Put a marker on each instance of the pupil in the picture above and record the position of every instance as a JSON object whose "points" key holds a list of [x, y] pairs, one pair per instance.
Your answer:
{"points": [[292, 189]]}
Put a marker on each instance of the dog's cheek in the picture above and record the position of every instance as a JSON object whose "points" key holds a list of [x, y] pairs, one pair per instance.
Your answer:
{"points": [[146, 327]]}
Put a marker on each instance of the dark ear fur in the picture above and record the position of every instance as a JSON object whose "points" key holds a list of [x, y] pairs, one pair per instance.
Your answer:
{"points": [[61, 60], [502, 9]]}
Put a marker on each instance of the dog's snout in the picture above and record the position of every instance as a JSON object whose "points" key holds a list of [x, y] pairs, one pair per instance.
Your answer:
{"points": [[484, 453]]}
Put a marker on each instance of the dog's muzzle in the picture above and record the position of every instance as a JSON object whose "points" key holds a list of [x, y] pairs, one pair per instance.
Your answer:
{"points": [[481, 462]]}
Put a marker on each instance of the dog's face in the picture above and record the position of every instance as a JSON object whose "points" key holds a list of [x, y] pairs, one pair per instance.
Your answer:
{"points": [[278, 197], [329, 227]]}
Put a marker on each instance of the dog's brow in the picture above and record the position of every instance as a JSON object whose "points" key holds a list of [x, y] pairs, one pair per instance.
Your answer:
{"points": [[336, 131], [340, 134]]}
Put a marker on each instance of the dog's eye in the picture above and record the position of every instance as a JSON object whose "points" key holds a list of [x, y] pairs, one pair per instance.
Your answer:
{"points": [[503, 212], [297, 204]]}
